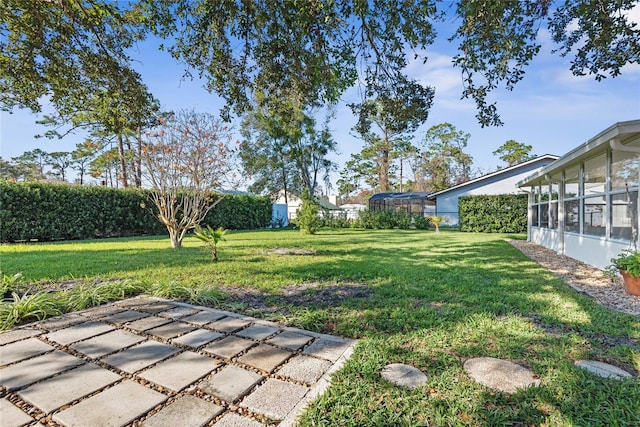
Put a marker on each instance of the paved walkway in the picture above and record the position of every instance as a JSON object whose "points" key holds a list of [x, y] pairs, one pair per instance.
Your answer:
{"points": [[153, 362]]}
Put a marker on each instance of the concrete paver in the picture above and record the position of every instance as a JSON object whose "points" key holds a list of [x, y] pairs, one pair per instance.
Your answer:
{"points": [[235, 420], [140, 356], [305, 369], [178, 312], [171, 330], [258, 332], [35, 369], [147, 323], [17, 335], [46, 367], [231, 383], [265, 357], [12, 416], [187, 411], [123, 317], [262, 401], [604, 370], [328, 349], [203, 317], [79, 332], [228, 324], [60, 322], [197, 338], [107, 343], [290, 340], [116, 406], [21, 350], [63, 389], [228, 347], [180, 371]]}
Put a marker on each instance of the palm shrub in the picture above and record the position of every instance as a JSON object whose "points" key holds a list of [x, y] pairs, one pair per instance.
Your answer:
{"points": [[436, 220], [211, 237]]}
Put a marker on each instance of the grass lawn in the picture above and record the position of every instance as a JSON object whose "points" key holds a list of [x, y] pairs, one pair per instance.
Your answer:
{"points": [[435, 300]]}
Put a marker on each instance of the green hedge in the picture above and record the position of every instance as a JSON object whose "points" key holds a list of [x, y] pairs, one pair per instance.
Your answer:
{"points": [[505, 213], [41, 211]]}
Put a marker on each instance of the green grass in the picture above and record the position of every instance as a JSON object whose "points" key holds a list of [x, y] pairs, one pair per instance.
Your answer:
{"points": [[437, 300]]}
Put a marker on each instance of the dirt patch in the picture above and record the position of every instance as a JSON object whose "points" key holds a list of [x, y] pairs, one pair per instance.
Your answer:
{"points": [[301, 295], [291, 251]]}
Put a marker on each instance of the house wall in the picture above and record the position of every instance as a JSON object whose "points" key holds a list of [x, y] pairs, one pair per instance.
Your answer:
{"points": [[504, 183]]}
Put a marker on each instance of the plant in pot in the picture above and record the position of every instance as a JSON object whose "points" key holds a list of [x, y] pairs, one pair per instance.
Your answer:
{"points": [[628, 264]]}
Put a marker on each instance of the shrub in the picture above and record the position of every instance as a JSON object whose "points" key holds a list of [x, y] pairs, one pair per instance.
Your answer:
{"points": [[42, 211], [307, 215], [506, 213]]}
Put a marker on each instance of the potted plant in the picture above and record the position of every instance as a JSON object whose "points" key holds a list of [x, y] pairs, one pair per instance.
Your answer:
{"points": [[628, 264]]}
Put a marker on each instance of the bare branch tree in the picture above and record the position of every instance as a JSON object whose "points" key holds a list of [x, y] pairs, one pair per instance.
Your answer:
{"points": [[188, 158]]}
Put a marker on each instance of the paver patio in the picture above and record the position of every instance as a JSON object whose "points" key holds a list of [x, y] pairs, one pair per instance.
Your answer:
{"points": [[155, 362]]}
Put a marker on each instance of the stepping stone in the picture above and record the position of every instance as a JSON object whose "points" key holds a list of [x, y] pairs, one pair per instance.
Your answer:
{"points": [[59, 322], [602, 369], [265, 357], [290, 340], [79, 332], [235, 420], [180, 371], [140, 356], [404, 375], [156, 307], [35, 369], [305, 369], [231, 383], [17, 335], [21, 350], [501, 375], [60, 390], [275, 398], [187, 411], [12, 416], [102, 311], [117, 406]]}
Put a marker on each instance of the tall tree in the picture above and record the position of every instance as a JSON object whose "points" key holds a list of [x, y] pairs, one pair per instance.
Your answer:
{"points": [[443, 162], [60, 162], [82, 156], [186, 160], [514, 152], [282, 141], [30, 166]]}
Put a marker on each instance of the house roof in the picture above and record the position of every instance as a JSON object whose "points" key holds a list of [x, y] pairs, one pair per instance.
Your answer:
{"points": [[619, 133], [550, 157], [324, 204]]}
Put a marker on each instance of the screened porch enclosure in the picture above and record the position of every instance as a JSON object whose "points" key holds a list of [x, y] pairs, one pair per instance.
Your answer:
{"points": [[585, 205], [415, 203]]}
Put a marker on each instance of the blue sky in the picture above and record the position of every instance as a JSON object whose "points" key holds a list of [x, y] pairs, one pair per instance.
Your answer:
{"points": [[549, 109]]}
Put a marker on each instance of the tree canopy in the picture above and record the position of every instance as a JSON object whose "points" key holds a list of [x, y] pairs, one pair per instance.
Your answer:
{"points": [[57, 49]]}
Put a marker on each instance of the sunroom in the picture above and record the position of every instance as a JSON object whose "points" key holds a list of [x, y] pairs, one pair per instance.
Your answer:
{"points": [[585, 204]]}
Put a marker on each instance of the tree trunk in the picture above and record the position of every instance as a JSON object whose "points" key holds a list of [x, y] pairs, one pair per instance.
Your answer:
{"points": [[176, 241], [123, 162], [214, 253], [138, 161]]}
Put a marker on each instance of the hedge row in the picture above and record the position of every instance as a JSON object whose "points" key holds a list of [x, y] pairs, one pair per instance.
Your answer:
{"points": [[41, 211], [505, 213]]}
